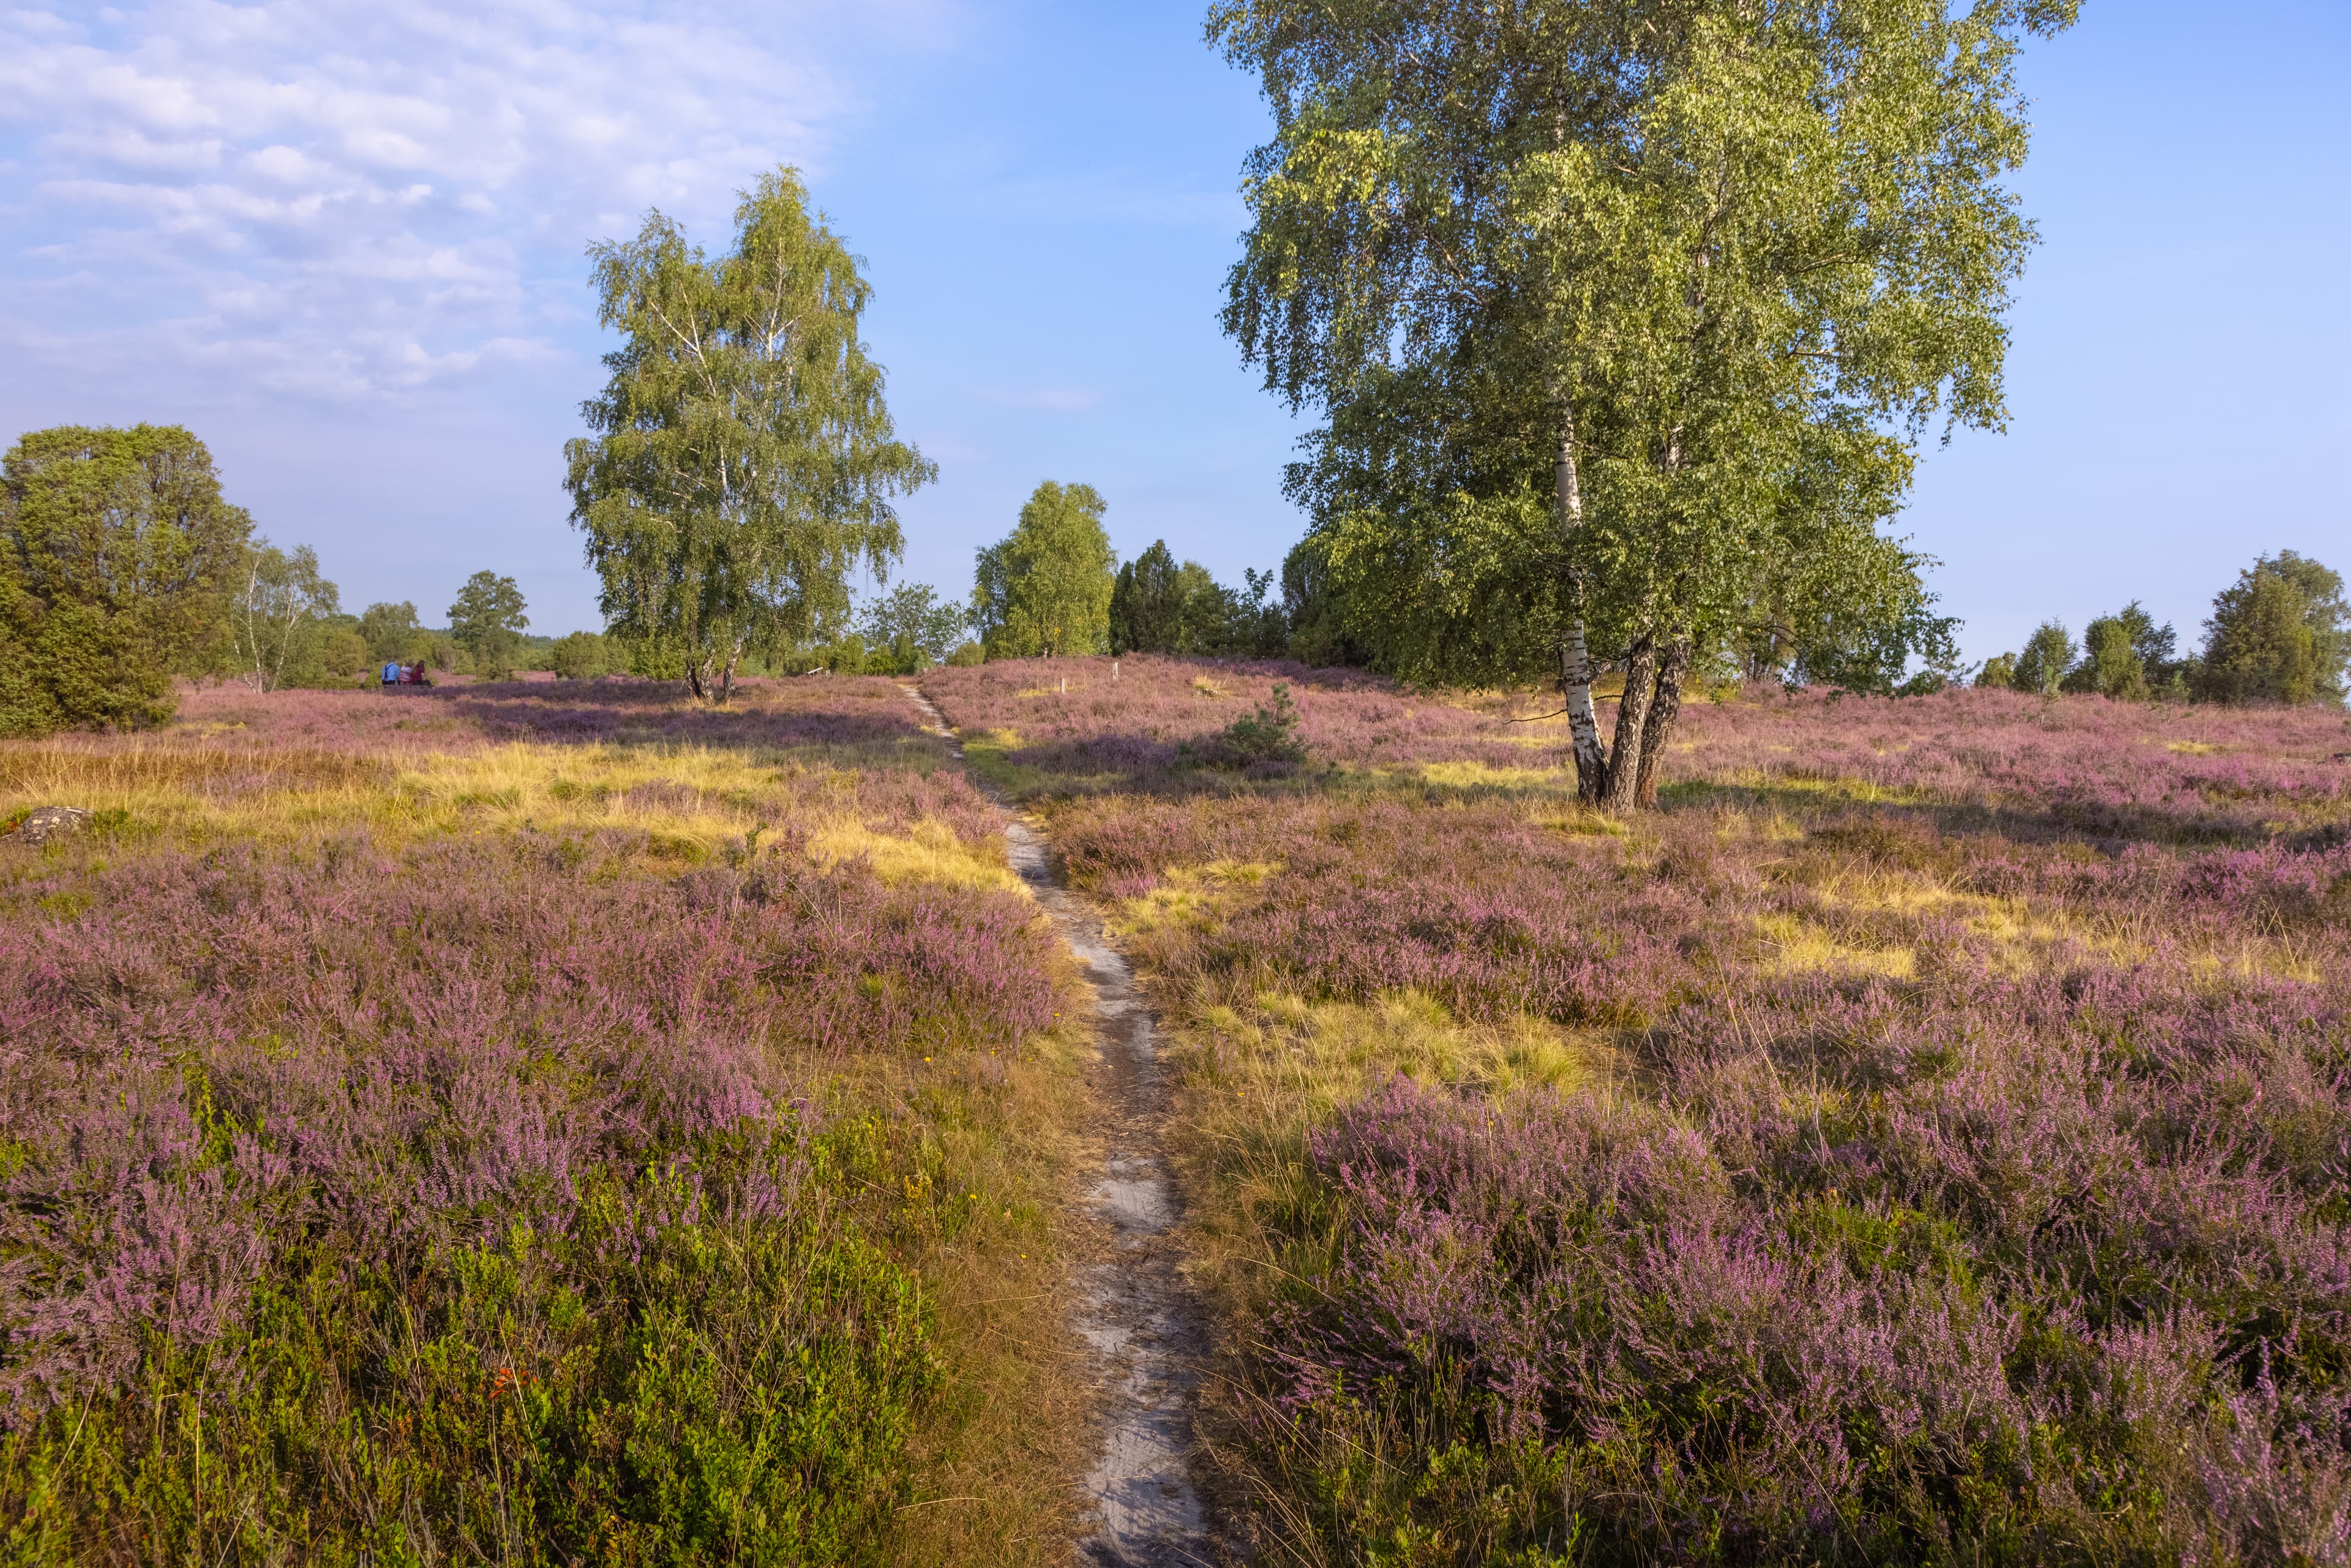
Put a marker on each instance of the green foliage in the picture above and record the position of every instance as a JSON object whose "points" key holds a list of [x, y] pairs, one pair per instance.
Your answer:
{"points": [[2126, 656], [1045, 588], [1630, 314], [966, 656], [909, 628], [744, 461], [708, 1365], [116, 555], [343, 653], [486, 622], [579, 656], [2048, 655], [1159, 607], [391, 633], [281, 618], [2282, 632], [1999, 671], [2111, 665], [1313, 613], [1265, 738]]}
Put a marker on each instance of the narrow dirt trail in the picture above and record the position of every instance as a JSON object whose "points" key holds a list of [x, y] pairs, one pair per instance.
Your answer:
{"points": [[1133, 1310]]}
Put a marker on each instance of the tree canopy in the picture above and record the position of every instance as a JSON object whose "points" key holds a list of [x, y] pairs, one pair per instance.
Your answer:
{"points": [[487, 621], [280, 615], [744, 461], [2281, 633], [1045, 588], [1626, 317], [391, 631], [117, 554], [911, 627]]}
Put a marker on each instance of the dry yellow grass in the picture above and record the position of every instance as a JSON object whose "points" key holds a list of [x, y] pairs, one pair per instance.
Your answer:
{"points": [[691, 801]]}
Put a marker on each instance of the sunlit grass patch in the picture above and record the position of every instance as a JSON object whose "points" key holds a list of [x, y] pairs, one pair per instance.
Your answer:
{"points": [[1582, 824], [1485, 776], [2195, 748], [1315, 1056], [1798, 789], [1792, 944], [989, 753], [1260, 1077], [930, 853], [691, 802], [1194, 896]]}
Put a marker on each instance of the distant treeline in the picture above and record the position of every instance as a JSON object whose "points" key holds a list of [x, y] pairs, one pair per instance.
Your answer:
{"points": [[122, 567], [2281, 633]]}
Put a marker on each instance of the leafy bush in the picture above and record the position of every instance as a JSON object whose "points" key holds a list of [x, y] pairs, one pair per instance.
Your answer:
{"points": [[966, 656], [2110, 664], [579, 656], [391, 633], [116, 555], [1265, 738], [2048, 655], [2281, 634]]}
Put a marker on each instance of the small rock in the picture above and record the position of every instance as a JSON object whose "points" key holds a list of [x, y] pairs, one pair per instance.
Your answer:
{"points": [[49, 822]]}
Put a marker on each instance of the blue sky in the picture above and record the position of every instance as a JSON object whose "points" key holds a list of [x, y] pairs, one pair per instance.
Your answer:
{"points": [[343, 243]]}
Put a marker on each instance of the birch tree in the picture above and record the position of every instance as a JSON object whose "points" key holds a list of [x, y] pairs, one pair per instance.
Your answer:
{"points": [[743, 462], [278, 614], [1045, 588], [1672, 255]]}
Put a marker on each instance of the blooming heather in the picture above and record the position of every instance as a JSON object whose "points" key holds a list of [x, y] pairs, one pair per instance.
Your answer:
{"points": [[477, 1187], [1960, 1170]]}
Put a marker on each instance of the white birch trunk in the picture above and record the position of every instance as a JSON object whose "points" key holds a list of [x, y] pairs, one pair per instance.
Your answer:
{"points": [[1574, 656]]}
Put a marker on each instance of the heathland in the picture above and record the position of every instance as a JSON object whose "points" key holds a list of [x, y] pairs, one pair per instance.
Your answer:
{"points": [[1925, 1139], [527, 1122], [571, 1121]]}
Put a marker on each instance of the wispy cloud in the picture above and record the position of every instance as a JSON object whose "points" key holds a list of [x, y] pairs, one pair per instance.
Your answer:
{"points": [[344, 200]]}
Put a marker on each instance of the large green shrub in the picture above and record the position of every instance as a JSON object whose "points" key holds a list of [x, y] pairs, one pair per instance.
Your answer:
{"points": [[2282, 632], [579, 656], [116, 550]]}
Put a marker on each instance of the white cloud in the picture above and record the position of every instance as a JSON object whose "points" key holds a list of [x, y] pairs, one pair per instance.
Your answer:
{"points": [[347, 200]]}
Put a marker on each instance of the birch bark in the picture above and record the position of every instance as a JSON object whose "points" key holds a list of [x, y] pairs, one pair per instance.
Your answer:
{"points": [[1632, 717], [1659, 729], [1574, 656]]}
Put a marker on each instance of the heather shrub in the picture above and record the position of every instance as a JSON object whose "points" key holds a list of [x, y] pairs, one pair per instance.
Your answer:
{"points": [[1933, 1148], [705, 1363], [476, 1198]]}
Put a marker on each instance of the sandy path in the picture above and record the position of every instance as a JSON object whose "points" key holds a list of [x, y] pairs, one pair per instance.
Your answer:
{"points": [[1133, 1310]]}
